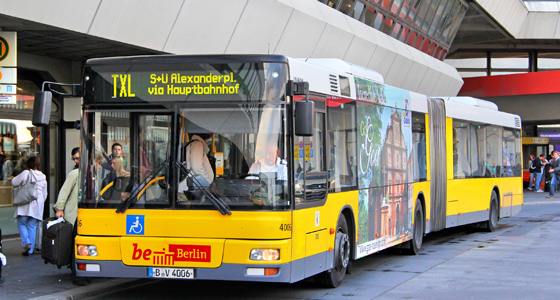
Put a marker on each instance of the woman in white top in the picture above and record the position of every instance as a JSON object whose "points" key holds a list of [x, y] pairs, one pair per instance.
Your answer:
{"points": [[27, 215]]}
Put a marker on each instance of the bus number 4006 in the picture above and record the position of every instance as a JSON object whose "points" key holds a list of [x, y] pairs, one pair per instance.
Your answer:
{"points": [[285, 227]]}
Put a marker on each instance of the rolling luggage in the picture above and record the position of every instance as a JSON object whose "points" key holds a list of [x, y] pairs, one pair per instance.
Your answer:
{"points": [[57, 243]]}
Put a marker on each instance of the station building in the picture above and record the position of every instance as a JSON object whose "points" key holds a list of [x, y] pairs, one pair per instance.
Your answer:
{"points": [[426, 46]]}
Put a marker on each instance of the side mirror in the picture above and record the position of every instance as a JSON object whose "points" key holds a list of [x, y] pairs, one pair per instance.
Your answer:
{"points": [[42, 109], [304, 118]]}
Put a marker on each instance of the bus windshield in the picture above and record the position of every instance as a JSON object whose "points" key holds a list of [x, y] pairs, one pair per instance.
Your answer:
{"points": [[234, 152]]}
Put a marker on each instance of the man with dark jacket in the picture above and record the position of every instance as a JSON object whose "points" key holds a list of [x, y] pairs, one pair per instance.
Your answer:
{"points": [[538, 164], [555, 172]]}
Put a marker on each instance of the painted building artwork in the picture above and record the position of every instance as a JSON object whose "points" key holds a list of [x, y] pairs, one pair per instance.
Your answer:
{"points": [[384, 167]]}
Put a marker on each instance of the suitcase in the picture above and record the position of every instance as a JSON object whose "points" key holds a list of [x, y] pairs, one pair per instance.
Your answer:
{"points": [[57, 243]]}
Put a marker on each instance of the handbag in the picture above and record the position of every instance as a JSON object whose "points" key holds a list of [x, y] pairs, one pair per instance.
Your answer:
{"points": [[25, 192]]}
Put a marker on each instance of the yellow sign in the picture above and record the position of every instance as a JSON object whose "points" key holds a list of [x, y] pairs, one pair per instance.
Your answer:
{"points": [[534, 140], [219, 163]]}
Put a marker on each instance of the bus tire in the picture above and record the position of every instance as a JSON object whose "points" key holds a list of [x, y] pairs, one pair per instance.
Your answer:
{"points": [[413, 246], [493, 214], [334, 277]]}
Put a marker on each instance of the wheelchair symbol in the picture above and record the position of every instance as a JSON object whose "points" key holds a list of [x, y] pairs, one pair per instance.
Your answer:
{"points": [[135, 224]]}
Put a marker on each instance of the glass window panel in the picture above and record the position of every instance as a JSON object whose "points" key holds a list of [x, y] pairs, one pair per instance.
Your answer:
{"points": [[396, 30], [342, 134], [477, 150], [494, 150], [481, 142], [387, 26], [461, 159], [249, 142], [457, 19], [378, 21], [432, 49], [432, 7], [347, 7], [311, 175], [359, 8], [542, 6], [467, 63], [419, 147], [411, 38], [438, 52], [422, 11], [396, 6], [448, 17], [472, 74], [404, 34], [332, 3], [386, 3], [506, 73], [511, 160], [369, 16], [443, 54], [406, 9], [548, 60], [418, 42], [426, 45], [438, 17]]}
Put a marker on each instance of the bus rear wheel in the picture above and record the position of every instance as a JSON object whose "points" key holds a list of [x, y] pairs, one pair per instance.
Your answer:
{"points": [[334, 277], [413, 246], [493, 215]]}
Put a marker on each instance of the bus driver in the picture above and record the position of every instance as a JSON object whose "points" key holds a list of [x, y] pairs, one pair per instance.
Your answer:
{"points": [[270, 163]]}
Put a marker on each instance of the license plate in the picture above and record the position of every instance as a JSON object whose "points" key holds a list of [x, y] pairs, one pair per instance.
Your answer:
{"points": [[187, 273]]}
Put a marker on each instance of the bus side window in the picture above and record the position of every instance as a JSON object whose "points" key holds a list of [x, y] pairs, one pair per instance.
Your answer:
{"points": [[419, 150], [342, 144]]}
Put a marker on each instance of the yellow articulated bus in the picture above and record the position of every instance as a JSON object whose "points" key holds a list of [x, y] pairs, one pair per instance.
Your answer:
{"points": [[315, 163]]}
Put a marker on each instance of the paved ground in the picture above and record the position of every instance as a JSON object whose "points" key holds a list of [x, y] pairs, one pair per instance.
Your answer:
{"points": [[531, 247]]}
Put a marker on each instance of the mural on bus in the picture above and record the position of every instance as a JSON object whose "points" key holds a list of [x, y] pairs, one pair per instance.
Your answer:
{"points": [[384, 166]]}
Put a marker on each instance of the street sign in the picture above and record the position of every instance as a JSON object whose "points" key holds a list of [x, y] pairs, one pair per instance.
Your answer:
{"points": [[8, 49], [8, 75], [7, 89], [7, 99]]}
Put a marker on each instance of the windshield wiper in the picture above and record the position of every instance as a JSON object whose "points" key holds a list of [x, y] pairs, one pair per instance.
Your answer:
{"points": [[132, 198], [222, 207]]}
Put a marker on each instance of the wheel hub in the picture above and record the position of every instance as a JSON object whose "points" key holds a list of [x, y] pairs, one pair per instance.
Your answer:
{"points": [[342, 254]]}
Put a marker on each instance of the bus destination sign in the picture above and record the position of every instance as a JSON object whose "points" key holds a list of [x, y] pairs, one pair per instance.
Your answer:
{"points": [[172, 84]]}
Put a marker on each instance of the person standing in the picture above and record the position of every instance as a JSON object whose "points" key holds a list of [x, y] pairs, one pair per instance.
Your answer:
{"points": [[66, 205], [532, 171], [555, 172], [539, 165], [29, 214]]}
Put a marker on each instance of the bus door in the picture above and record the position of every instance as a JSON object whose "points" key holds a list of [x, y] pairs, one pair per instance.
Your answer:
{"points": [[310, 167], [535, 146], [311, 190]]}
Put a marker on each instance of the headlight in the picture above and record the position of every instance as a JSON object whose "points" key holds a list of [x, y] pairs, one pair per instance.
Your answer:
{"points": [[87, 250], [265, 254]]}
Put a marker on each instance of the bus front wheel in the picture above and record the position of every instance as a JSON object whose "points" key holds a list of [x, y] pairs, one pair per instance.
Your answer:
{"points": [[334, 277]]}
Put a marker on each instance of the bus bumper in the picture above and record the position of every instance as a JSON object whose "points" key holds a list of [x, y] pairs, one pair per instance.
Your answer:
{"points": [[233, 272]]}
